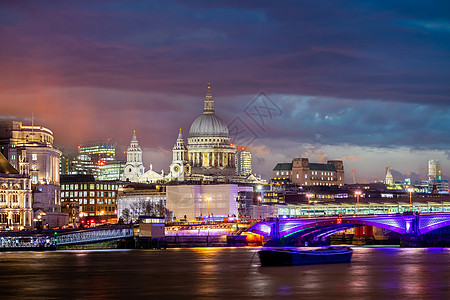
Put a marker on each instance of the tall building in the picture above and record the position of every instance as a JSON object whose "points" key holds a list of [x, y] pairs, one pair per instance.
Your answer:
{"points": [[134, 166], [302, 172], [99, 151], [94, 158], [243, 162], [33, 145], [434, 170], [16, 211]]}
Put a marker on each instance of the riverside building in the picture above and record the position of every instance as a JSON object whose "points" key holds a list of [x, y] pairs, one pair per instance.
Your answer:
{"points": [[301, 172], [83, 196], [33, 145], [16, 212]]}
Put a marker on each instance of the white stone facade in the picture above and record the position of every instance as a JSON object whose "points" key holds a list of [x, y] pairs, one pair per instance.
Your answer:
{"points": [[134, 167], [16, 211]]}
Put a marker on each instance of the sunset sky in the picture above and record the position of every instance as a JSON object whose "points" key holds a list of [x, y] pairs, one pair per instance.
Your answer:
{"points": [[366, 82]]}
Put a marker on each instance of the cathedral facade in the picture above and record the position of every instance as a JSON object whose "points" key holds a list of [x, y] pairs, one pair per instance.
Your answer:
{"points": [[209, 151]]}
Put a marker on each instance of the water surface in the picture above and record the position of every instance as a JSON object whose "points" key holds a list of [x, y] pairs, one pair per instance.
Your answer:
{"points": [[222, 273]]}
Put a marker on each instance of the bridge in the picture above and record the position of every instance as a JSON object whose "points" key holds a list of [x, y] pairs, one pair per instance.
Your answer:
{"points": [[51, 239], [93, 235], [318, 227]]}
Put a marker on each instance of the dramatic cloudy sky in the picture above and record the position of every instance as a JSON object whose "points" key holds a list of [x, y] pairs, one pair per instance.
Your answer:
{"points": [[366, 82]]}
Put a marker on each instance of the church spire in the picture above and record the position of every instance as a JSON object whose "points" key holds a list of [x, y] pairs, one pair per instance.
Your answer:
{"points": [[209, 102]]}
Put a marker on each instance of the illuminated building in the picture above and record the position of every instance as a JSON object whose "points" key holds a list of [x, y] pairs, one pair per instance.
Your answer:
{"points": [[195, 201], [389, 180], [434, 170], [99, 151], [139, 199], [95, 158], [133, 167], [34, 145], [82, 195], [302, 172], [16, 211], [243, 162], [110, 170], [209, 148]]}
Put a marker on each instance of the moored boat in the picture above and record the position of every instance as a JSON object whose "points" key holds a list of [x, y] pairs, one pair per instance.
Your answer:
{"points": [[293, 257]]}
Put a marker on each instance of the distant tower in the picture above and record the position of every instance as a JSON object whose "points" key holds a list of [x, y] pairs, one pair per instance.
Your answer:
{"points": [[179, 167], [134, 167], [434, 170], [243, 162], [389, 178]]}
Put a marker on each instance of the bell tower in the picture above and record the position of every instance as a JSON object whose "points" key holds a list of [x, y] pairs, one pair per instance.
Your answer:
{"points": [[180, 166], [134, 167]]}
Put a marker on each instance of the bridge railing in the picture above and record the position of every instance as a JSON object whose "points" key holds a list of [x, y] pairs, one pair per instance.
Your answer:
{"points": [[89, 236]]}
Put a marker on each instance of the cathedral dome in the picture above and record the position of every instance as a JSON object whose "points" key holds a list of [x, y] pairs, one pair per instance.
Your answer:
{"points": [[208, 125]]}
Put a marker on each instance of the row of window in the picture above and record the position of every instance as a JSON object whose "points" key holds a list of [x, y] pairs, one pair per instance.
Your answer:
{"points": [[85, 193], [92, 201], [92, 186], [14, 197], [100, 209], [15, 218], [306, 175]]}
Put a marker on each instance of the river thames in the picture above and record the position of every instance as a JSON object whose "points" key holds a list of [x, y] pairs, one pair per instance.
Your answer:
{"points": [[222, 273]]}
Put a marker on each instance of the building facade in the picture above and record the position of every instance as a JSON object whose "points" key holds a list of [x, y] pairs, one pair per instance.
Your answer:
{"points": [[33, 146], [83, 196], [16, 211], [138, 199], [302, 172], [243, 162], [194, 201]]}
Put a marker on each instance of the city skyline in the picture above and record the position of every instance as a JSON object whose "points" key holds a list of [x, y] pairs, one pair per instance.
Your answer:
{"points": [[371, 90]]}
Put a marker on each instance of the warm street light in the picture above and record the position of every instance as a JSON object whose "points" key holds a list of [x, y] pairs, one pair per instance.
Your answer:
{"points": [[208, 198], [410, 190], [309, 198], [357, 193]]}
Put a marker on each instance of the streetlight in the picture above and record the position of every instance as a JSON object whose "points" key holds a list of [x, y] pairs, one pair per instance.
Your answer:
{"points": [[258, 199], [357, 193], [309, 198], [208, 198], [410, 190]]}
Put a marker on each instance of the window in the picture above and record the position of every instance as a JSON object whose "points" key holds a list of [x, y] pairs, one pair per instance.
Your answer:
{"points": [[278, 173], [34, 156], [306, 175], [91, 201], [34, 179]]}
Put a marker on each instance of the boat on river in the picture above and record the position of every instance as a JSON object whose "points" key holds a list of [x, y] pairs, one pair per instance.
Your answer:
{"points": [[294, 257]]}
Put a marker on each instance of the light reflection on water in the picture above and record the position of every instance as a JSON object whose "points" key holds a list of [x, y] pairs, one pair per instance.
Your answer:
{"points": [[375, 273]]}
